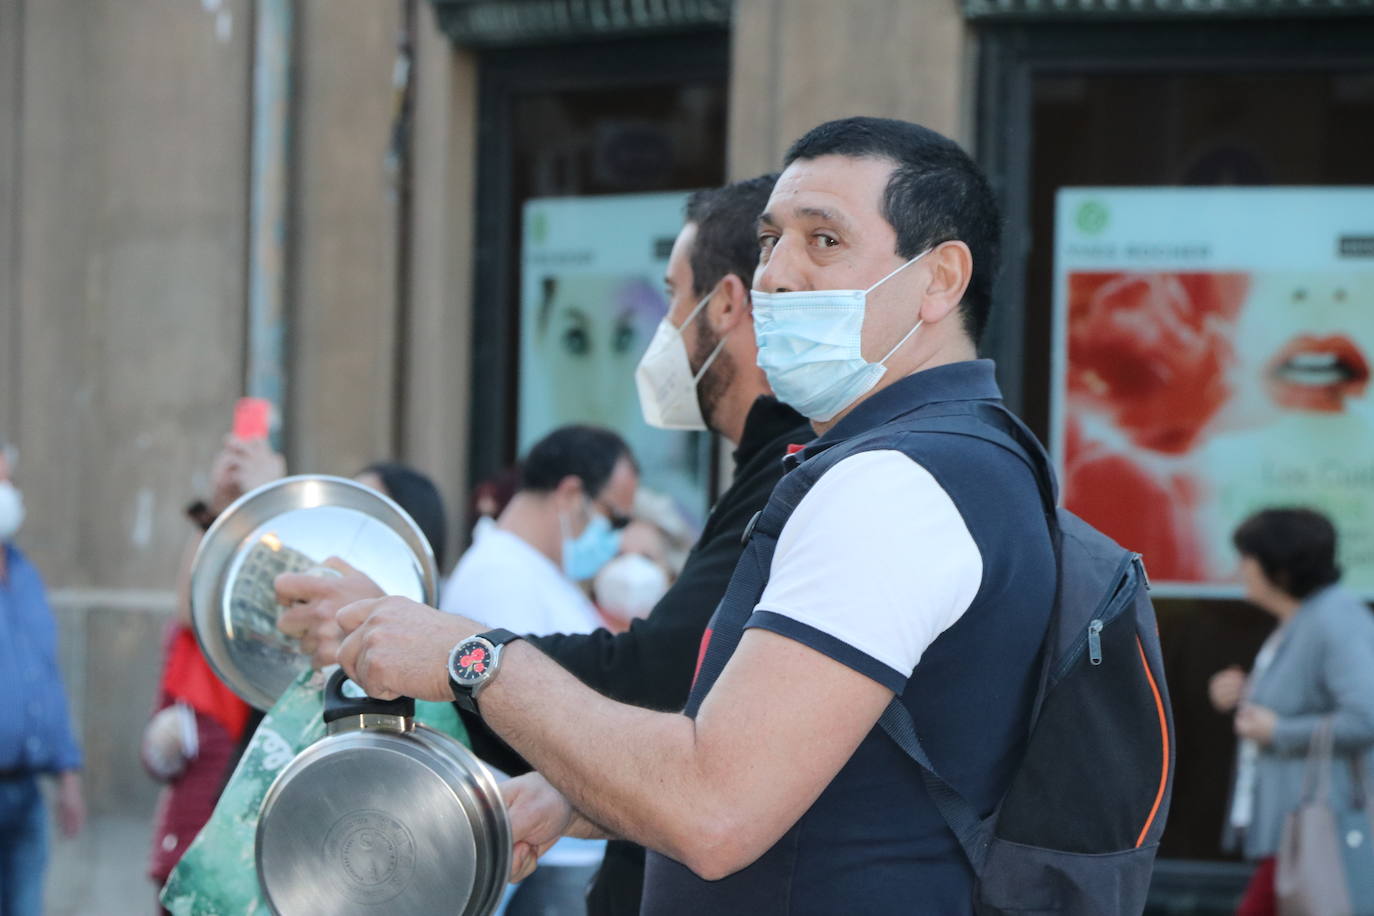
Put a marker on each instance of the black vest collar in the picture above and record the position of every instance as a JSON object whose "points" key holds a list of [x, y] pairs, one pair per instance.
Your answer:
{"points": [[969, 380]]}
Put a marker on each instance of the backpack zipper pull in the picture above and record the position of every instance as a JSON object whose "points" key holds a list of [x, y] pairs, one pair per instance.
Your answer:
{"points": [[1095, 642]]}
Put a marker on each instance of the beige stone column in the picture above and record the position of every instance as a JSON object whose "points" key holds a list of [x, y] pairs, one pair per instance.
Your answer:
{"points": [[341, 355], [437, 364], [796, 63], [11, 71]]}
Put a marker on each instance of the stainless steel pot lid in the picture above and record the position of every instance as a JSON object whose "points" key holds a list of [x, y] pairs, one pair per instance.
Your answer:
{"points": [[293, 525], [382, 816]]}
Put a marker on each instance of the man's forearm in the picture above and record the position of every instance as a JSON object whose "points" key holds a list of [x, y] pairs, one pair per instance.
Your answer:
{"points": [[644, 789], [714, 791]]}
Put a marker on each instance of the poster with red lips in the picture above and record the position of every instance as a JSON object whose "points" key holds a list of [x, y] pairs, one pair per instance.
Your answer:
{"points": [[1212, 358]]}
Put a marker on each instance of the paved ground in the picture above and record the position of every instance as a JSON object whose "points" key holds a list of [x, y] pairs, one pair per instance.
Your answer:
{"points": [[102, 872]]}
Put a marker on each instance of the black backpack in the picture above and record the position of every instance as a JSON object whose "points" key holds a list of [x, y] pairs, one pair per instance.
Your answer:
{"points": [[1078, 828]]}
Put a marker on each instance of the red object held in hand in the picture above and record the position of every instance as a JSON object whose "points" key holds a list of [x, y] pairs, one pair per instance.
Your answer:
{"points": [[252, 418]]}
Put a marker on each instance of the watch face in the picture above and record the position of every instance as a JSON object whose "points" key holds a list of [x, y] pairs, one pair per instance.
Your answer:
{"points": [[471, 661]]}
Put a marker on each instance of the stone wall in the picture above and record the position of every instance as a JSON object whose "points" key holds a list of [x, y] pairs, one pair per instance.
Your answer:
{"points": [[124, 206], [125, 135]]}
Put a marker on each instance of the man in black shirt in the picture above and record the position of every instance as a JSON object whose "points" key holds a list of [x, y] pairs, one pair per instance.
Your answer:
{"points": [[651, 664], [699, 372]]}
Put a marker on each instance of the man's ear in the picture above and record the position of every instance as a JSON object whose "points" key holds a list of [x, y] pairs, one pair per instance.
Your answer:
{"points": [[951, 269], [568, 493], [730, 306]]}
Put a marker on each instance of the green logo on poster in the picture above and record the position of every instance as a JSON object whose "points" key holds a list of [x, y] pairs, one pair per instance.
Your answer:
{"points": [[1092, 217], [539, 227]]}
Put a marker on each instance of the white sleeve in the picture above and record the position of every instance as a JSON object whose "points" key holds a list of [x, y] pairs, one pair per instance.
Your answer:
{"points": [[491, 589], [501, 589], [872, 565]]}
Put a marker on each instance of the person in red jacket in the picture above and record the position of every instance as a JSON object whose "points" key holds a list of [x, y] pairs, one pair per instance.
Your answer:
{"points": [[197, 722]]}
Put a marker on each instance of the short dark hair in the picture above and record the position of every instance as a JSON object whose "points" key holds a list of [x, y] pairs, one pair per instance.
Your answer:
{"points": [[727, 239], [589, 453], [1295, 547], [936, 194], [419, 497]]}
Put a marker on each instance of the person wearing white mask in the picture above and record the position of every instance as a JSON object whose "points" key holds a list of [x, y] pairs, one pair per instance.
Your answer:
{"points": [[699, 372], [889, 564], [651, 664], [627, 588], [36, 737]]}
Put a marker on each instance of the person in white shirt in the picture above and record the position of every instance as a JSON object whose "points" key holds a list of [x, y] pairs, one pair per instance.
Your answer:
{"points": [[576, 494]]}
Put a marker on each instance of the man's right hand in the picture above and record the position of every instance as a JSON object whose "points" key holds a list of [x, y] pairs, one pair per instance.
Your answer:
{"points": [[242, 465], [312, 600], [224, 486]]}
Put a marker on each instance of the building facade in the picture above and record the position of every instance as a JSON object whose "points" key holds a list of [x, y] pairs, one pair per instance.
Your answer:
{"points": [[329, 203]]}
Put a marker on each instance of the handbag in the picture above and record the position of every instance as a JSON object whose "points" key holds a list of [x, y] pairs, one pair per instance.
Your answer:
{"points": [[1326, 851]]}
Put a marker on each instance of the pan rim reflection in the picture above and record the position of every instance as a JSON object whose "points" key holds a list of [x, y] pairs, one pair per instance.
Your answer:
{"points": [[307, 519]]}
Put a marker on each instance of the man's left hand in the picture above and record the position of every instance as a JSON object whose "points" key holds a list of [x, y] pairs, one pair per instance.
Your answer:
{"points": [[539, 817], [1256, 723], [71, 805], [312, 603], [397, 647]]}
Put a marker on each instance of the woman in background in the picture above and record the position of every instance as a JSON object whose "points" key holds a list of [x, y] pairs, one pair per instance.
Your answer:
{"points": [[417, 495], [197, 722], [1317, 665]]}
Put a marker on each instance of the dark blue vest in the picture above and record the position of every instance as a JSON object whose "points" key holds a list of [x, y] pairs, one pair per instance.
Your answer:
{"points": [[874, 842]]}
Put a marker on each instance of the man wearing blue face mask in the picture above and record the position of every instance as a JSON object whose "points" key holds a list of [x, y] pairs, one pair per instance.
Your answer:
{"points": [[890, 570], [577, 491]]}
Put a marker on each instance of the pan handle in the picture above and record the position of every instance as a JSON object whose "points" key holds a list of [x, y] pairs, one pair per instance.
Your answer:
{"points": [[338, 705]]}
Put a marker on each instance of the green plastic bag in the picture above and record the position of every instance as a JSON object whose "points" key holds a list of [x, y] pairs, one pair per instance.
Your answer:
{"points": [[217, 876]]}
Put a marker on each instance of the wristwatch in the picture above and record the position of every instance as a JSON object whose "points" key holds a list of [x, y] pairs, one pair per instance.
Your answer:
{"points": [[472, 664]]}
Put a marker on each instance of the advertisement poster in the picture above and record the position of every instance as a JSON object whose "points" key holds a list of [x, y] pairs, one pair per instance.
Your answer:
{"points": [[591, 295], [1212, 358]]}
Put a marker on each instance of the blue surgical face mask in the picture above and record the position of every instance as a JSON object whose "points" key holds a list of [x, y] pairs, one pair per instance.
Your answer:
{"points": [[810, 346], [597, 545]]}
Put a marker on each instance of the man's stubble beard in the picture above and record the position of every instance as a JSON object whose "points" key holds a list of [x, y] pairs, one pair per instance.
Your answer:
{"points": [[717, 380]]}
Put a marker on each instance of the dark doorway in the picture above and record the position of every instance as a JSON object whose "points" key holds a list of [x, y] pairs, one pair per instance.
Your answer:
{"points": [[1151, 104], [615, 117]]}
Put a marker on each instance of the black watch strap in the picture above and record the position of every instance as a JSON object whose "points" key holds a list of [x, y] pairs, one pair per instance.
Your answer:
{"points": [[498, 636], [466, 701]]}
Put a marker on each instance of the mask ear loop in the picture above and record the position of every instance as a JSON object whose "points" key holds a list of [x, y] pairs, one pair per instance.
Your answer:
{"points": [[588, 507], [691, 316], [710, 359], [591, 510], [564, 530], [919, 321], [905, 338], [700, 373], [897, 271]]}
